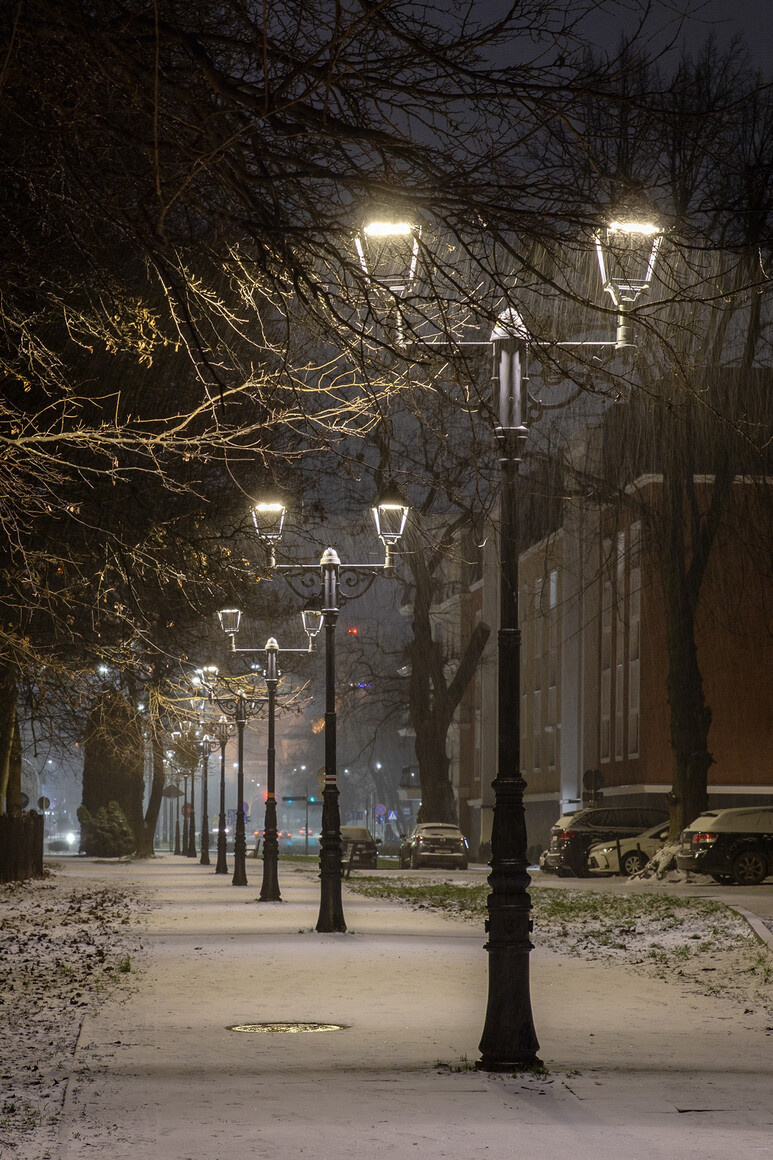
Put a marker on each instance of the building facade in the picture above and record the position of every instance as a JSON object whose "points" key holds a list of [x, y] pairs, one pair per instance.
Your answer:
{"points": [[594, 663]]}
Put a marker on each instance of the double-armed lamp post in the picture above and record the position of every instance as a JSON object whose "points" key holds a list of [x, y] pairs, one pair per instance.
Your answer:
{"points": [[322, 609], [230, 621], [627, 251]]}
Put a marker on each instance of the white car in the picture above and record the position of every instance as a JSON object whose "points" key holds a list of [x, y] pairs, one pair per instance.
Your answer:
{"points": [[628, 855]]}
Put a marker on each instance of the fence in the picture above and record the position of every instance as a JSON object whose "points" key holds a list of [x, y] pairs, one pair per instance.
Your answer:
{"points": [[21, 846]]}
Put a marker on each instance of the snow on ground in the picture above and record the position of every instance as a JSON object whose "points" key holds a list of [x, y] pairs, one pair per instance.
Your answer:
{"points": [[698, 943], [61, 948], [67, 943]]}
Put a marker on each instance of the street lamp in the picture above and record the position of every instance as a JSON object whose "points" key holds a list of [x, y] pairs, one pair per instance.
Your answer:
{"points": [[626, 252], [208, 745], [223, 730], [390, 513], [230, 620], [240, 707], [186, 739]]}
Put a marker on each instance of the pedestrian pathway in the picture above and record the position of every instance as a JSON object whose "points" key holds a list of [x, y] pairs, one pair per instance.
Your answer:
{"points": [[635, 1067]]}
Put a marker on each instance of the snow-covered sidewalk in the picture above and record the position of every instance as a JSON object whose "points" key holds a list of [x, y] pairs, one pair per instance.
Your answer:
{"points": [[637, 1065]]}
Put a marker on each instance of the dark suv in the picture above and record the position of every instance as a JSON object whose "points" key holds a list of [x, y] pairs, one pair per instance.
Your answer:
{"points": [[571, 839], [731, 845]]}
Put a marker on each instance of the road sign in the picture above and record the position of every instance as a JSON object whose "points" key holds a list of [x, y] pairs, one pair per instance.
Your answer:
{"points": [[171, 791], [380, 810], [44, 803], [187, 810], [392, 816]]}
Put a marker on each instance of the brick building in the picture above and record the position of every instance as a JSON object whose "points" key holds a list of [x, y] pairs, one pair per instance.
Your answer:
{"points": [[594, 666]]}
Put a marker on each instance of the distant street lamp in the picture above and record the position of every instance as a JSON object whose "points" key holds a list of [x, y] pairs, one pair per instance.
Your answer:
{"points": [[223, 730], [626, 252], [208, 745], [186, 739], [239, 706], [230, 620], [389, 514]]}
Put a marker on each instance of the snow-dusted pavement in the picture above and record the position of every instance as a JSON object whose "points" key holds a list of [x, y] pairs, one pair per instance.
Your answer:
{"points": [[638, 1067]]}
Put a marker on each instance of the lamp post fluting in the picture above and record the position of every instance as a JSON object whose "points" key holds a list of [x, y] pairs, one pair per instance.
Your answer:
{"points": [[390, 514]]}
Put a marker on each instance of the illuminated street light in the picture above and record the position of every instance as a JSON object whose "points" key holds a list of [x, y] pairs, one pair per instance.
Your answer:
{"points": [[322, 609], [627, 251]]}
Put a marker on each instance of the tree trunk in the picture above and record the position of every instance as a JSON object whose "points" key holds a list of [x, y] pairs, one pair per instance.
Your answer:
{"points": [[147, 833], [690, 717], [681, 574], [8, 727], [438, 803], [13, 793]]}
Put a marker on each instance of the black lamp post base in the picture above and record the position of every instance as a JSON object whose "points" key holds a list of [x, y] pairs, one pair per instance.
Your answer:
{"points": [[269, 890], [331, 907]]}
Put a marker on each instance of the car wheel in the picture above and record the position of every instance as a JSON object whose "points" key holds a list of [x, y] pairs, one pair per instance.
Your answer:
{"points": [[749, 868], [414, 861], [402, 860], [632, 863], [462, 865]]}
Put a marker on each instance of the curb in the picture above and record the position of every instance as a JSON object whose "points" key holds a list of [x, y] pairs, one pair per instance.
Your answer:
{"points": [[762, 932]]}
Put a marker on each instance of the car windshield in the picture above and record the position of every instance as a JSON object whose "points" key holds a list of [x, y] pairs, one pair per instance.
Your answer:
{"points": [[355, 833]]}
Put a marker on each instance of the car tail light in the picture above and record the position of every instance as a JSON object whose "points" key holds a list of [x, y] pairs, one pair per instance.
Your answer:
{"points": [[704, 839]]}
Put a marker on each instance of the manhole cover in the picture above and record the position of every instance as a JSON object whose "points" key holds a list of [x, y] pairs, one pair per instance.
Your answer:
{"points": [[287, 1028]]}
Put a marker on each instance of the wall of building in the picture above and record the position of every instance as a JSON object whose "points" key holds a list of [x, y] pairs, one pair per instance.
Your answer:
{"points": [[594, 668]]}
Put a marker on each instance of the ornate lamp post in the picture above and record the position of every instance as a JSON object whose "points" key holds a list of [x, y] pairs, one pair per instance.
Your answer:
{"points": [[390, 514], [230, 620], [509, 1040], [240, 707], [208, 745], [223, 731], [186, 740]]}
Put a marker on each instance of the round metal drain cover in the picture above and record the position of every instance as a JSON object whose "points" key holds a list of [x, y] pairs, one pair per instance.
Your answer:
{"points": [[286, 1028]]}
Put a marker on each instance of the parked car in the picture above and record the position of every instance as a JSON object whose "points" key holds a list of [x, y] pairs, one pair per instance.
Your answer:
{"points": [[731, 845], [433, 844], [626, 856], [360, 848], [569, 844]]}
